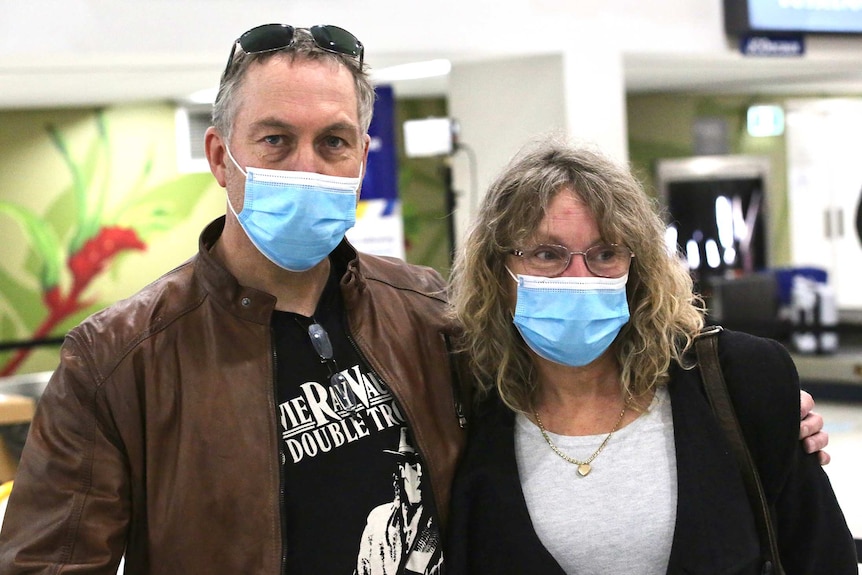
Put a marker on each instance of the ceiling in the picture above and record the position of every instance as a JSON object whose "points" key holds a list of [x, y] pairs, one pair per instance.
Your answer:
{"points": [[83, 83], [100, 52], [838, 73]]}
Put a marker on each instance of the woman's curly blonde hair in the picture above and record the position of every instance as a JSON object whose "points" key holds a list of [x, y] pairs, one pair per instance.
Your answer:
{"points": [[665, 313]]}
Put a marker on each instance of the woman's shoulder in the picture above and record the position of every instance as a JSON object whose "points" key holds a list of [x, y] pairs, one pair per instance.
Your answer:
{"points": [[764, 387], [754, 349], [757, 369]]}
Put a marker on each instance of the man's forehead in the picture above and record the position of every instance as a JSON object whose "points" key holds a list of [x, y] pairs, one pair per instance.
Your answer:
{"points": [[309, 86]]}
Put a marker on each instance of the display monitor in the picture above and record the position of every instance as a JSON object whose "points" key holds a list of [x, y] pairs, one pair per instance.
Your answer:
{"points": [[716, 212], [747, 17]]}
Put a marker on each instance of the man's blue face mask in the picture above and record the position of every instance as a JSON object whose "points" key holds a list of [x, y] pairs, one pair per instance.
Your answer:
{"points": [[296, 219]]}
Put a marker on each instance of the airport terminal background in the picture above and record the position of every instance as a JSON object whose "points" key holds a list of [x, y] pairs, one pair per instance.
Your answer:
{"points": [[752, 154]]}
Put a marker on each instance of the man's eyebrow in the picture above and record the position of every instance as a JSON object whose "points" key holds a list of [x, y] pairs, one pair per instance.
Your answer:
{"points": [[276, 124], [340, 127], [272, 123]]}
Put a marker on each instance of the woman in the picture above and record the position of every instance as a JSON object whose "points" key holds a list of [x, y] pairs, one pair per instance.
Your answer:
{"points": [[593, 448]]}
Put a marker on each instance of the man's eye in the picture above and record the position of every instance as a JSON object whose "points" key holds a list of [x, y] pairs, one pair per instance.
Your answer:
{"points": [[272, 140], [333, 142]]}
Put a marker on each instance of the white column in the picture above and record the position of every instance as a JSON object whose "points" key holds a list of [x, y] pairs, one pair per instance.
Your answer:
{"points": [[501, 104], [595, 99]]}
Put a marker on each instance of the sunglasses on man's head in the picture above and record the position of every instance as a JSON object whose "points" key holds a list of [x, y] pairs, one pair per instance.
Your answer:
{"points": [[271, 37]]}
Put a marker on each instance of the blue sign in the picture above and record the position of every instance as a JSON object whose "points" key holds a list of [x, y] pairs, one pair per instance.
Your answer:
{"points": [[379, 228], [768, 45], [381, 174]]}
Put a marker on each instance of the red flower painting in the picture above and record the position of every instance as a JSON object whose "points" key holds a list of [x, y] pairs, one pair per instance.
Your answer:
{"points": [[70, 258]]}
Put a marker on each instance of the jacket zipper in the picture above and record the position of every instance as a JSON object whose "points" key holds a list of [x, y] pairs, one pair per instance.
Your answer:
{"points": [[280, 455], [457, 388], [458, 408]]}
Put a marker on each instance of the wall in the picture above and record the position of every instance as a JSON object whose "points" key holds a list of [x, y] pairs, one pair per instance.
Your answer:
{"points": [[500, 105]]}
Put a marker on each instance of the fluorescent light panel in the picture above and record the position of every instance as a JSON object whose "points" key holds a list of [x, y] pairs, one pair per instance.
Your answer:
{"points": [[412, 71], [402, 72]]}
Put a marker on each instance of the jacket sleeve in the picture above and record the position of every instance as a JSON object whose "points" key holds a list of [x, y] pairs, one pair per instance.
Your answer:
{"points": [[69, 506], [813, 536]]}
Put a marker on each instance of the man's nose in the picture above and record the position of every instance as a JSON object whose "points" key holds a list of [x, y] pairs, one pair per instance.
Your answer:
{"points": [[305, 159]]}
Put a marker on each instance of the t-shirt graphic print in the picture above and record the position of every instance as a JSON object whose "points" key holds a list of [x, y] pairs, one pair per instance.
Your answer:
{"points": [[355, 496], [401, 535], [316, 420]]}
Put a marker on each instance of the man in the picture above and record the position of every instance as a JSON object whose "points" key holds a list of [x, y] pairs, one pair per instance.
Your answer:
{"points": [[234, 416]]}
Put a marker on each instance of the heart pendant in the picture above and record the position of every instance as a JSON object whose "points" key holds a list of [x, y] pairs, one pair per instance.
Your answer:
{"points": [[584, 469]]}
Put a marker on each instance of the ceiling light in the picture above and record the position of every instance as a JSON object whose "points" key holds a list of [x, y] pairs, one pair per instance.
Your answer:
{"points": [[205, 96], [414, 71], [765, 120]]}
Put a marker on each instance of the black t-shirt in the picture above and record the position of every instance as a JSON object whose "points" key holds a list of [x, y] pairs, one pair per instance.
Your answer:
{"points": [[354, 497]]}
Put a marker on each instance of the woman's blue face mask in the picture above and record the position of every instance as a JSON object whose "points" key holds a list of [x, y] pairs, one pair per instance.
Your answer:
{"points": [[570, 320]]}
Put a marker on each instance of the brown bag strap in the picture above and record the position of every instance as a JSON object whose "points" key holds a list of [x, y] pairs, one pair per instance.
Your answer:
{"points": [[706, 346]]}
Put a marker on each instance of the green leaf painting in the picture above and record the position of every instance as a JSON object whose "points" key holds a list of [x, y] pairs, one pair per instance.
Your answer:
{"points": [[42, 238]]}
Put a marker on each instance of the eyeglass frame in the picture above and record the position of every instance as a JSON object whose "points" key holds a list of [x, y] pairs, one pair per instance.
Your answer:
{"points": [[360, 48], [338, 384], [522, 254]]}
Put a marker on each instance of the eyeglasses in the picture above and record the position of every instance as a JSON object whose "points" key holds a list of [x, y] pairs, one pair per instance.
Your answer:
{"points": [[338, 385], [603, 260], [271, 37]]}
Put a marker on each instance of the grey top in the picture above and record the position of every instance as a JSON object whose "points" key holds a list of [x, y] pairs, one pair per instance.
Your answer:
{"points": [[618, 519]]}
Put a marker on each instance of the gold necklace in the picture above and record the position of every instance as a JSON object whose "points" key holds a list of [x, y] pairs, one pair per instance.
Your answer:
{"points": [[584, 467]]}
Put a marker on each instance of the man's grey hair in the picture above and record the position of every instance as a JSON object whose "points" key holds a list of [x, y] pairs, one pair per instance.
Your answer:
{"points": [[303, 46]]}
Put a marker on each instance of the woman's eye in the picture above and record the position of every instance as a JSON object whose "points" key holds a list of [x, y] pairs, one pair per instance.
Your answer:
{"points": [[605, 254], [546, 255]]}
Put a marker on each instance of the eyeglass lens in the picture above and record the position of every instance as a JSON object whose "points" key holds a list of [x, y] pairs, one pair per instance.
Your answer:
{"points": [[337, 39], [320, 341], [339, 386], [342, 393], [267, 37], [606, 260]]}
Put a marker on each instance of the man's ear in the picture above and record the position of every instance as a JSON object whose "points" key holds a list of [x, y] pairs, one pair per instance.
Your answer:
{"points": [[364, 165], [365, 155], [215, 148]]}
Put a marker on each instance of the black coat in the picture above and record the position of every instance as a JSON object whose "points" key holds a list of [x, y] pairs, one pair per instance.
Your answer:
{"points": [[715, 531]]}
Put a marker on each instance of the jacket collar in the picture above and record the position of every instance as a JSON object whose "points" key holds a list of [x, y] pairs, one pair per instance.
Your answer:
{"points": [[345, 257], [244, 302], [249, 303]]}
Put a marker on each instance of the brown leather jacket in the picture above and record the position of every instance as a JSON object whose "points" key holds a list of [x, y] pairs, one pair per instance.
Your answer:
{"points": [[156, 436]]}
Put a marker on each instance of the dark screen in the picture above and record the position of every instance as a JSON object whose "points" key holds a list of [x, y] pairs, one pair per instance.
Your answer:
{"points": [[692, 210]]}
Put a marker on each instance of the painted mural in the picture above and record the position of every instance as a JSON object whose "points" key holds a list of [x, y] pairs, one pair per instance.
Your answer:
{"points": [[105, 204]]}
